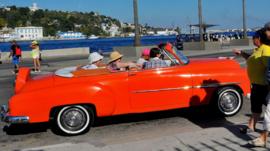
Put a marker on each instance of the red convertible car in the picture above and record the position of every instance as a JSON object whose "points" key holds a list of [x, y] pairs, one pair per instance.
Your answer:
{"points": [[73, 102]]}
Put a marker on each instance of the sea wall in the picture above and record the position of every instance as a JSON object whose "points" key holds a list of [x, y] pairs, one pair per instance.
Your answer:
{"points": [[52, 53]]}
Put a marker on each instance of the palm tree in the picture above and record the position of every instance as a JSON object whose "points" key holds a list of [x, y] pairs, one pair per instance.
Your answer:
{"points": [[136, 22]]}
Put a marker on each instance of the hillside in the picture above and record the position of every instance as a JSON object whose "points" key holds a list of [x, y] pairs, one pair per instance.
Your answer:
{"points": [[53, 21]]}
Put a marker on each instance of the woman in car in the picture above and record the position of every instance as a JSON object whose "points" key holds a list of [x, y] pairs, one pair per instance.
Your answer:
{"points": [[116, 64], [144, 58], [95, 61]]}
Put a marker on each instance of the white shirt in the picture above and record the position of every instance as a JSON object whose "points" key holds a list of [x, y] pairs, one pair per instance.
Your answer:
{"points": [[141, 61]]}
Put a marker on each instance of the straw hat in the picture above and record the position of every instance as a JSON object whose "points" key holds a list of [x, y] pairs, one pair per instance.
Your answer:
{"points": [[94, 57], [34, 42], [115, 56]]}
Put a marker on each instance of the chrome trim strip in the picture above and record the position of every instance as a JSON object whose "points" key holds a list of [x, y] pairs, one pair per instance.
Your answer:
{"points": [[210, 85], [165, 89]]}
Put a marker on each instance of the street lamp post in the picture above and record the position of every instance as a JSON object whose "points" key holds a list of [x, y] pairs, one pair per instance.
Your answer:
{"points": [[244, 19], [137, 41], [200, 22]]}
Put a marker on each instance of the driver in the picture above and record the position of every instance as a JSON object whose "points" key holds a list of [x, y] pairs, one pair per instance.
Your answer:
{"points": [[155, 61], [116, 64], [165, 46]]}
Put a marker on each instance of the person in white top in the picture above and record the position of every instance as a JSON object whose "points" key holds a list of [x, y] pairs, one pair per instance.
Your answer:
{"points": [[95, 61], [144, 58]]}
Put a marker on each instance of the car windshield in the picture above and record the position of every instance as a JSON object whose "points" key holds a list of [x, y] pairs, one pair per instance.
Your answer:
{"points": [[184, 60]]}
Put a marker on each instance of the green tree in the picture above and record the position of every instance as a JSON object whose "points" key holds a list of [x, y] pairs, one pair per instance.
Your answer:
{"points": [[3, 22]]}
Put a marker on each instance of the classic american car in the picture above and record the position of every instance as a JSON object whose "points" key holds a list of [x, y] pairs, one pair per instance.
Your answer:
{"points": [[73, 102]]}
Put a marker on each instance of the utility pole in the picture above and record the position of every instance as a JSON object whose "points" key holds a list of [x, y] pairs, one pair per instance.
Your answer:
{"points": [[200, 22], [137, 41], [244, 19]]}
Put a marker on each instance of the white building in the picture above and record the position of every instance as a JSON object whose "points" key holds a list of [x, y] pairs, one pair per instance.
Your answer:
{"points": [[113, 30], [34, 7], [29, 33]]}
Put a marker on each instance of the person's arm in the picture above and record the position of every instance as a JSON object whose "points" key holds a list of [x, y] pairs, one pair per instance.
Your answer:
{"points": [[241, 53], [245, 55], [125, 65]]}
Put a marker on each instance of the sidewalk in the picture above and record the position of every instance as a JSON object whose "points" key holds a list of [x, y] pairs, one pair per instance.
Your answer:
{"points": [[213, 139]]}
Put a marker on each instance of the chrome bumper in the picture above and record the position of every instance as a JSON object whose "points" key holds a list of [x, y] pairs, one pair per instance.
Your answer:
{"points": [[12, 119]]}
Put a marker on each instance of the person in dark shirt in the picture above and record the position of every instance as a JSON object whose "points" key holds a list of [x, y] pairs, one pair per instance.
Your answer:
{"points": [[15, 57]]}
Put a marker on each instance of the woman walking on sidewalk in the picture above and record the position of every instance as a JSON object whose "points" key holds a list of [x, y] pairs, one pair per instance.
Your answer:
{"points": [[256, 70], [35, 55]]}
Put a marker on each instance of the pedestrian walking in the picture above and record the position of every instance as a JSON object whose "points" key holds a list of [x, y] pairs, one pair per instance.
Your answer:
{"points": [[0, 56], [262, 139], [256, 70], [15, 53], [36, 55]]}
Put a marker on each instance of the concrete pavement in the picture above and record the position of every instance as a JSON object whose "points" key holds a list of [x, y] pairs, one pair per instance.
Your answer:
{"points": [[212, 139]]}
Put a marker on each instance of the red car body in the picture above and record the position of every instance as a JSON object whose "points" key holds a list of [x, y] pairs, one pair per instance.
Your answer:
{"points": [[134, 91]]}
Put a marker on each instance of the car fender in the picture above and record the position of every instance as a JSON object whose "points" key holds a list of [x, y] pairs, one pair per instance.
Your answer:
{"points": [[38, 104]]}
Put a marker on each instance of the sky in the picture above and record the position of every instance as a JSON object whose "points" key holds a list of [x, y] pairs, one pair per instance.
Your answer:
{"points": [[227, 14]]}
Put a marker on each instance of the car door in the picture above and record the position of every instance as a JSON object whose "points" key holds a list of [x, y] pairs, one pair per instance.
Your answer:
{"points": [[159, 89]]}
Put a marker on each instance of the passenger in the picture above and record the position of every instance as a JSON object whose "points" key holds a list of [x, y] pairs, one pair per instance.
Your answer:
{"points": [[95, 61], [155, 61], [144, 58], [166, 46], [116, 64]]}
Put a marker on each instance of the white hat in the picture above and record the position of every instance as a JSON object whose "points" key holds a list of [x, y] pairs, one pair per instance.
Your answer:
{"points": [[94, 57]]}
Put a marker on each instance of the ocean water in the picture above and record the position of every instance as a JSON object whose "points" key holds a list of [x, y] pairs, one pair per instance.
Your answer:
{"points": [[104, 44]]}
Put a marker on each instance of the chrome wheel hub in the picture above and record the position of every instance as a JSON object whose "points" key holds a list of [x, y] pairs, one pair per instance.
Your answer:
{"points": [[73, 119], [228, 101]]}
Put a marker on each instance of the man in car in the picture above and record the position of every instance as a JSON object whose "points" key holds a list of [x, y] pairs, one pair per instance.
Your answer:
{"points": [[155, 61]]}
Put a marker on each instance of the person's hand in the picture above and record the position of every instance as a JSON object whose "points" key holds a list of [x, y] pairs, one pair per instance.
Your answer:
{"points": [[79, 67], [237, 52]]}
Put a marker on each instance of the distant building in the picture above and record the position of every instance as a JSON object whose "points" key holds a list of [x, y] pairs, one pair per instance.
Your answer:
{"points": [[7, 8], [29, 33], [114, 31], [34, 7], [71, 35]]}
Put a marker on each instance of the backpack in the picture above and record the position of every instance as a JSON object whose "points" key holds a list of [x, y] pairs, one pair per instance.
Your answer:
{"points": [[18, 51]]}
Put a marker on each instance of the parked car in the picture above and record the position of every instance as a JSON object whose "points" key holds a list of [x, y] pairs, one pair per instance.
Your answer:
{"points": [[72, 103]]}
